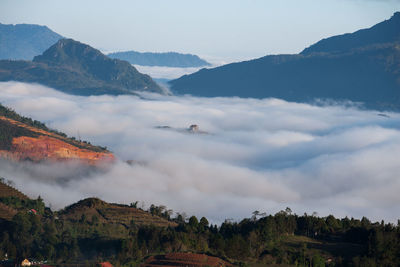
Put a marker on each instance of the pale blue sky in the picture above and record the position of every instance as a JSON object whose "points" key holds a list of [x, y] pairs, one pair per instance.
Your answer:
{"points": [[226, 29]]}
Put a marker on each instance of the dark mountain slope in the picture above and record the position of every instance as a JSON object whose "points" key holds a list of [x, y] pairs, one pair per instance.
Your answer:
{"points": [[24, 41], [77, 68], [368, 74], [169, 59], [387, 31]]}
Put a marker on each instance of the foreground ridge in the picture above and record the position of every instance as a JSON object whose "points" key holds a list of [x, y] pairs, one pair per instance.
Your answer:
{"points": [[93, 231]]}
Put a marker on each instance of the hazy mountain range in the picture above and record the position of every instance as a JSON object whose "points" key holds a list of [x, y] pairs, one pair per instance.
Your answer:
{"points": [[168, 59], [77, 68], [24, 41], [363, 67]]}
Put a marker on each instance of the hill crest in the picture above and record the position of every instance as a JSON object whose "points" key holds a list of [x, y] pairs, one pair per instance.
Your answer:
{"points": [[77, 68]]}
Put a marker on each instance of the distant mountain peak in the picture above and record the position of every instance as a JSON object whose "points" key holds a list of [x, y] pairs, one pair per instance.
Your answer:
{"points": [[24, 41], [167, 59], [67, 50]]}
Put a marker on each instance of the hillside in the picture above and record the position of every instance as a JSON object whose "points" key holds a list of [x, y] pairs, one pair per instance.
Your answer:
{"points": [[92, 230], [168, 59], [184, 259], [9, 191], [12, 201], [76, 68], [24, 139], [382, 33], [24, 41], [364, 71], [111, 214]]}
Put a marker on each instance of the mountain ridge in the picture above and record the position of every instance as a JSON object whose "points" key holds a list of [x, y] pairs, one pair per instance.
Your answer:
{"points": [[77, 68], [384, 32], [166, 59], [369, 74]]}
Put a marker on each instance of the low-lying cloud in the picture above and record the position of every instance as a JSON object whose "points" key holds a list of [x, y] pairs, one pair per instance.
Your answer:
{"points": [[258, 154]]}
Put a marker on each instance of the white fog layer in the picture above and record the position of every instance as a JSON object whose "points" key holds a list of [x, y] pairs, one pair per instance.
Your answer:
{"points": [[261, 155]]}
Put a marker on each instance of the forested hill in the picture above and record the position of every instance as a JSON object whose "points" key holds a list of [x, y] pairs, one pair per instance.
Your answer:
{"points": [[92, 231], [77, 68], [168, 59], [25, 41], [365, 69]]}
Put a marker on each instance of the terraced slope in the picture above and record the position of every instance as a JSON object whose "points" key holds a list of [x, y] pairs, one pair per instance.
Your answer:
{"points": [[184, 260], [8, 191], [6, 212], [111, 214]]}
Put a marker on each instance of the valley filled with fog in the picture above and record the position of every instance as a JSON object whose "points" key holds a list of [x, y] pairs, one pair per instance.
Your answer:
{"points": [[254, 154]]}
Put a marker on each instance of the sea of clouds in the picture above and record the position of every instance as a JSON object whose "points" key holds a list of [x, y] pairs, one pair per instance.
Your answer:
{"points": [[261, 155]]}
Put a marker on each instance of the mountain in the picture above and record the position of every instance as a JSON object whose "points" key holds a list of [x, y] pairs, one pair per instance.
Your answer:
{"points": [[387, 31], [76, 68], [22, 139], [360, 69], [24, 41], [169, 59]]}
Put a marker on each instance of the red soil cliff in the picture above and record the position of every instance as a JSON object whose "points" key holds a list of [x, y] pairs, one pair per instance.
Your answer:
{"points": [[52, 147]]}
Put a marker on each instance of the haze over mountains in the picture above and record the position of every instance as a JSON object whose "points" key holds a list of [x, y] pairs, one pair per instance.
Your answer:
{"points": [[168, 59], [76, 68], [361, 67], [25, 41]]}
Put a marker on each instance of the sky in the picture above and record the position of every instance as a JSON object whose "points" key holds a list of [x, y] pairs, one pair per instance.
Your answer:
{"points": [[256, 154], [223, 30]]}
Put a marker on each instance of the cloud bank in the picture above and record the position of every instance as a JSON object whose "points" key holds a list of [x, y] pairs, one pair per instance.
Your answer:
{"points": [[258, 154]]}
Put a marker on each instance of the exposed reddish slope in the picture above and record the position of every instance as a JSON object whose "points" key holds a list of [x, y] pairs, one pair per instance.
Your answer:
{"points": [[50, 146], [184, 260]]}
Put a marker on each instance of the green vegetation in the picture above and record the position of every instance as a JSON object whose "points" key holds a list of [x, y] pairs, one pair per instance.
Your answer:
{"points": [[283, 239]]}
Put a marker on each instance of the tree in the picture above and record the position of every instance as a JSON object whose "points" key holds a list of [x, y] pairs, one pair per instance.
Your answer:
{"points": [[193, 222]]}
